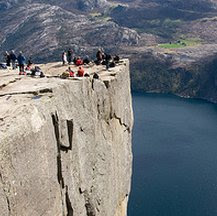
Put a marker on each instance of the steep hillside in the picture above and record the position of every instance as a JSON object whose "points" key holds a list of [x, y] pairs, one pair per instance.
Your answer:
{"points": [[44, 31], [188, 72], [65, 144]]}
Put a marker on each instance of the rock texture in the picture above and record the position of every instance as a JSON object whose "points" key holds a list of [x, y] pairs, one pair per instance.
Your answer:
{"points": [[65, 144], [187, 72]]}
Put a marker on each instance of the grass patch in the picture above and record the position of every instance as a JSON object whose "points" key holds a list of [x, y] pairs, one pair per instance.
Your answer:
{"points": [[181, 43]]}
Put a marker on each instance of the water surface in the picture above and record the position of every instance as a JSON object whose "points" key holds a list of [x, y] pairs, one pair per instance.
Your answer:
{"points": [[175, 157]]}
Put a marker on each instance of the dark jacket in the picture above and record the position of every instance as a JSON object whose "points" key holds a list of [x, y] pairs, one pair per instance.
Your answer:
{"points": [[13, 57], [21, 59]]}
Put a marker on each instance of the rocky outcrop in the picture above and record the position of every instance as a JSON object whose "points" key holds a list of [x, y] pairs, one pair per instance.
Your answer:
{"points": [[187, 72], [65, 144]]}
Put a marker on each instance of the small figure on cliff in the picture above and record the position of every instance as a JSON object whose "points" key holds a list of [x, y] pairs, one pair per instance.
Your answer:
{"points": [[80, 72], [21, 62], [13, 59], [107, 59], [29, 64], [7, 59], [86, 59], [116, 59], [69, 56], [99, 56], [64, 58], [79, 61], [71, 72]]}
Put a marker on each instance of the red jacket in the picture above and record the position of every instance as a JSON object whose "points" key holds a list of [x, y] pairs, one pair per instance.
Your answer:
{"points": [[79, 62], [81, 72]]}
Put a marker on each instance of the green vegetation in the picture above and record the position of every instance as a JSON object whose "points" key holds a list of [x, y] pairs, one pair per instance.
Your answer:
{"points": [[181, 43], [164, 28], [100, 16]]}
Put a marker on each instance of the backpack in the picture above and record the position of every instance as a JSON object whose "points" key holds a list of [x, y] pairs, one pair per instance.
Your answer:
{"points": [[3, 66]]}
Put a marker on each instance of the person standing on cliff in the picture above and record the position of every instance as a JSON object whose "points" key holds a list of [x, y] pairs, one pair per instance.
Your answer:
{"points": [[64, 58], [7, 59], [21, 62], [13, 59], [69, 55], [99, 56]]}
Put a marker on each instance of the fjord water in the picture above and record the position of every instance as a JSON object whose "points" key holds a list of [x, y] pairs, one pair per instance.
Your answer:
{"points": [[175, 157]]}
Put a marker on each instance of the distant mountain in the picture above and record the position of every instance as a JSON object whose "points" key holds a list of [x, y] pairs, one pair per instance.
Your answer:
{"points": [[149, 32], [45, 30], [69, 4]]}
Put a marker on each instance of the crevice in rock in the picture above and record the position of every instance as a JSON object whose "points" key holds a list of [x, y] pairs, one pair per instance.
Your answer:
{"points": [[90, 210], [46, 90], [12, 81], [42, 91], [55, 121], [92, 84], [121, 123], [106, 82], [68, 204], [7, 198], [70, 131]]}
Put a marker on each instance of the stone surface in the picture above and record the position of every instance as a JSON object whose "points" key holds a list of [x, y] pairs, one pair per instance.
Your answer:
{"points": [[65, 144]]}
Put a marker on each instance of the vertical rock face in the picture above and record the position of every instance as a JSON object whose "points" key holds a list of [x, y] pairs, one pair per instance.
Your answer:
{"points": [[65, 146]]}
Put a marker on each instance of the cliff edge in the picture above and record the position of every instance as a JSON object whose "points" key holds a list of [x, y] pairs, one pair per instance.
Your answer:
{"points": [[65, 144]]}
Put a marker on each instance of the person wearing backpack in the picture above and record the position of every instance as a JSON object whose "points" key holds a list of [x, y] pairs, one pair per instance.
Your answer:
{"points": [[69, 55], [21, 62], [13, 59]]}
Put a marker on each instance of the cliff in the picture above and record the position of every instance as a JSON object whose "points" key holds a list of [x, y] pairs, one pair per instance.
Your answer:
{"points": [[188, 72], [65, 144]]}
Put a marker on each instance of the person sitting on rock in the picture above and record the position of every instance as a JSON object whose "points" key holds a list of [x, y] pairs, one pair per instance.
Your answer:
{"points": [[21, 62], [80, 72], [86, 59], [116, 59], [13, 59], [106, 61], [29, 64], [79, 62], [71, 72]]}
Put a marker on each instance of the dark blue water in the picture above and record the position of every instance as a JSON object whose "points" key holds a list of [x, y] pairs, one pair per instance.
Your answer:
{"points": [[175, 157]]}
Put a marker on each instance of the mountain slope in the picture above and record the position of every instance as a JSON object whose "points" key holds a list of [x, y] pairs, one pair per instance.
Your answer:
{"points": [[44, 31]]}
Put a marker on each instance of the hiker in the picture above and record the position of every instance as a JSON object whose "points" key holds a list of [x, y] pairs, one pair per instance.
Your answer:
{"points": [[80, 72], [106, 61], [69, 56], [99, 56], [71, 72], [86, 59], [64, 58], [29, 64], [79, 61], [116, 59], [7, 59], [21, 62], [37, 72], [13, 59]]}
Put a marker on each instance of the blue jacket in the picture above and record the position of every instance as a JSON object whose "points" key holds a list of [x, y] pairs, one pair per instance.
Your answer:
{"points": [[21, 59]]}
